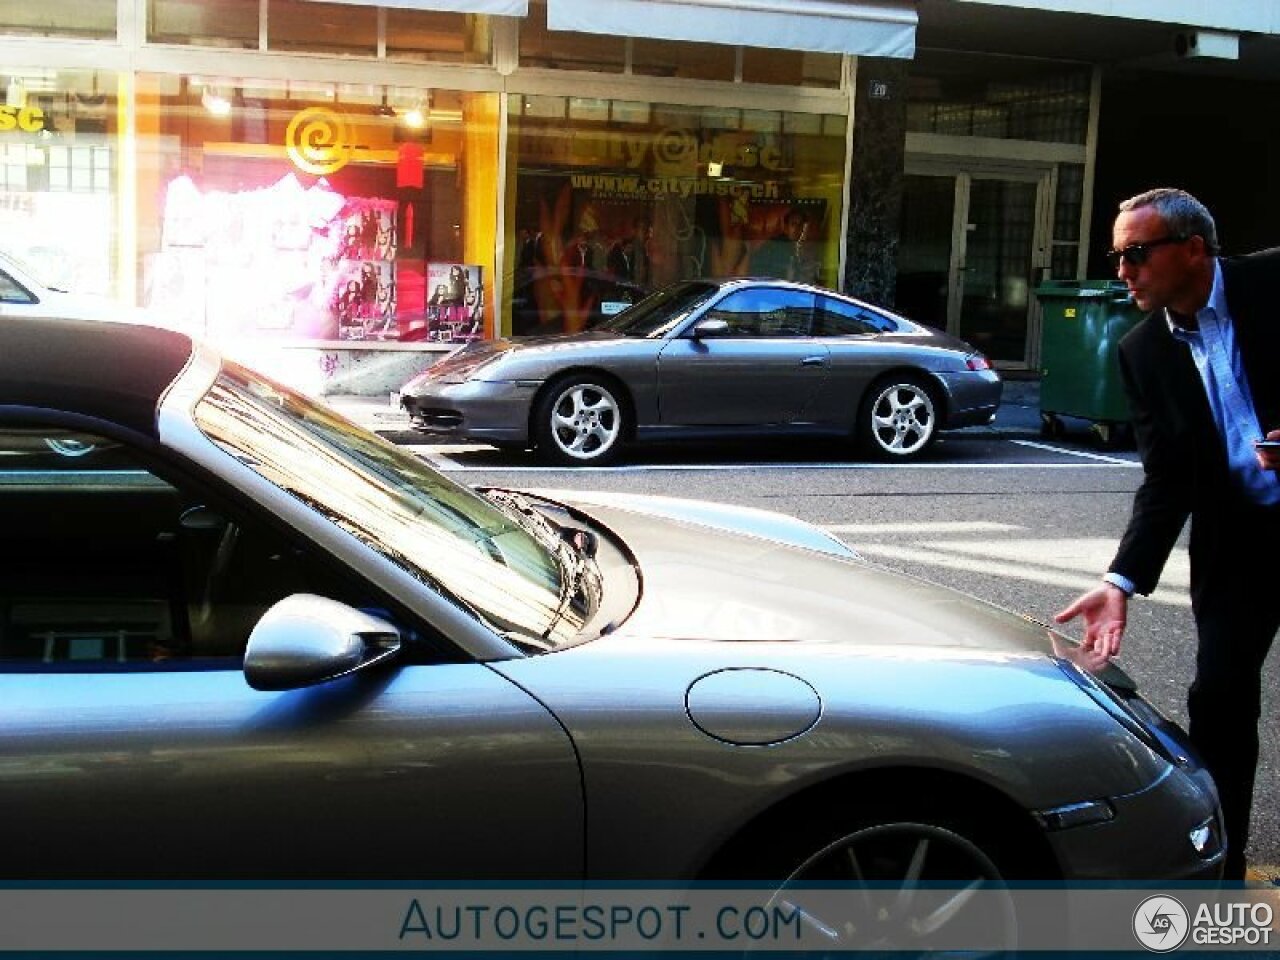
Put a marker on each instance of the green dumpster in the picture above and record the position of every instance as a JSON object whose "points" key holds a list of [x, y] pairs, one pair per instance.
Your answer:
{"points": [[1081, 325]]}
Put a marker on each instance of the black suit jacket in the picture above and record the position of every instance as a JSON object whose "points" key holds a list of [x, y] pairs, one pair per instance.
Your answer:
{"points": [[1183, 456]]}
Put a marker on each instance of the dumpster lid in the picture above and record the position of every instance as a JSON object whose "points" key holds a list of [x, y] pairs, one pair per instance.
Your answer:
{"points": [[1083, 288]]}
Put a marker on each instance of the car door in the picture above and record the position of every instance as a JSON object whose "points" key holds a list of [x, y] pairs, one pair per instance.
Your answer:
{"points": [[852, 334], [132, 747], [763, 369]]}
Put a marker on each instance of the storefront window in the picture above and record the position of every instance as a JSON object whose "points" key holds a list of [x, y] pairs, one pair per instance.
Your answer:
{"points": [[290, 213], [207, 23], [438, 36], [58, 156], [565, 49], [1007, 98], [605, 210], [791, 68], [690, 61], [1066, 221], [60, 18], [312, 27]]}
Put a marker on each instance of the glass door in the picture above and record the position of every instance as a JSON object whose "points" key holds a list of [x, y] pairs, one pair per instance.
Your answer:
{"points": [[999, 271], [924, 249], [973, 246]]}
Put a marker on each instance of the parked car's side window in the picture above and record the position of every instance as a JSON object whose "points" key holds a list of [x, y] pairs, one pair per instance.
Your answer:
{"points": [[13, 292], [766, 312], [838, 318], [107, 565]]}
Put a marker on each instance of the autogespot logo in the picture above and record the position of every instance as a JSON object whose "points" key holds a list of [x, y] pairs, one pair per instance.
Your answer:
{"points": [[1161, 923]]}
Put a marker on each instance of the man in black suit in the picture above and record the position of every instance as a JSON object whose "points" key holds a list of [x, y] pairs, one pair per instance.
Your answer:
{"points": [[1202, 374]]}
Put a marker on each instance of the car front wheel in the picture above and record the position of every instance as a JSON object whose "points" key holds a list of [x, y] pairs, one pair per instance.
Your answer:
{"points": [[898, 419], [901, 885], [580, 421]]}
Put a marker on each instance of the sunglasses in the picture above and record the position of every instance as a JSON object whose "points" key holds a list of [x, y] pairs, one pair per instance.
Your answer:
{"points": [[1136, 254]]}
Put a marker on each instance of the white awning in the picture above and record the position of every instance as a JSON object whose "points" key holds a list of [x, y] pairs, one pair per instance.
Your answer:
{"points": [[876, 29], [501, 8]]}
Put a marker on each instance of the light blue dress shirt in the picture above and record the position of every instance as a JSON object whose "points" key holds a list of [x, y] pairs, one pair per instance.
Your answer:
{"points": [[1217, 359]]}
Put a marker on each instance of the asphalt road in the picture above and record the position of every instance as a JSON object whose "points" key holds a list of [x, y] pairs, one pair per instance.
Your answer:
{"points": [[998, 513]]}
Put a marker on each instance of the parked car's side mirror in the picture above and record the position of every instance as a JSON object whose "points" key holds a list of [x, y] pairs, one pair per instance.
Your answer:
{"points": [[305, 639], [710, 327]]}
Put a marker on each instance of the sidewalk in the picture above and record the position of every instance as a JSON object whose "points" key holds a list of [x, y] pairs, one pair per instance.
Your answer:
{"points": [[372, 413], [1018, 415], [1019, 411]]}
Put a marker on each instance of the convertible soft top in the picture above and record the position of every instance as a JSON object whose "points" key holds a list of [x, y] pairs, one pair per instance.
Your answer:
{"points": [[110, 371]]}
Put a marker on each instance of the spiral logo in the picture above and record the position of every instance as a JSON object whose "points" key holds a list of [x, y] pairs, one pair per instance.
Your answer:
{"points": [[675, 146], [317, 141], [1161, 923]]}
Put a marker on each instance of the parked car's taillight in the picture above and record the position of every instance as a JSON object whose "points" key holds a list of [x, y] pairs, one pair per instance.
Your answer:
{"points": [[976, 361]]}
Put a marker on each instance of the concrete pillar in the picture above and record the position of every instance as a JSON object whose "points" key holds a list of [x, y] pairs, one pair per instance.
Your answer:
{"points": [[879, 151]]}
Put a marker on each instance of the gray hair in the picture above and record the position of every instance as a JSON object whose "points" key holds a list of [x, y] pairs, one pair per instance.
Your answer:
{"points": [[1182, 213]]}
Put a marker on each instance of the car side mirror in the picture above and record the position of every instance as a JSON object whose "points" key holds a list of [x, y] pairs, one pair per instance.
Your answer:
{"points": [[710, 327], [305, 639]]}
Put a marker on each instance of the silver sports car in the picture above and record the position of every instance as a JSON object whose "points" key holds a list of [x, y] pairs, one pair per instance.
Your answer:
{"points": [[243, 638], [733, 358]]}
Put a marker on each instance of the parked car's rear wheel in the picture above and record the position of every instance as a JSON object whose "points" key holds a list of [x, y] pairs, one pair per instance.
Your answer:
{"points": [[580, 420], [898, 419]]}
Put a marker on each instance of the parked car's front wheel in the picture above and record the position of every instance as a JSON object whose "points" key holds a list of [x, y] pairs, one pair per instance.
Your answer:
{"points": [[898, 419], [902, 884], [580, 421]]}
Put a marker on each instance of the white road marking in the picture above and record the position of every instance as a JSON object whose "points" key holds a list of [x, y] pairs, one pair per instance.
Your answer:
{"points": [[443, 462], [1119, 461], [942, 526], [930, 555]]}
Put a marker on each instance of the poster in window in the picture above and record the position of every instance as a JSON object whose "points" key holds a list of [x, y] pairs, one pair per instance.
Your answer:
{"points": [[455, 302]]}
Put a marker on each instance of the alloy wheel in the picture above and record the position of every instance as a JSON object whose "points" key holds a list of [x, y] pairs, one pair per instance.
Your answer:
{"points": [[586, 422], [903, 419], [902, 886]]}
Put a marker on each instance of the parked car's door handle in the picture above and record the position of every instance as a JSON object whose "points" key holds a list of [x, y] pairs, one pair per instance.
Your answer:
{"points": [[813, 361]]}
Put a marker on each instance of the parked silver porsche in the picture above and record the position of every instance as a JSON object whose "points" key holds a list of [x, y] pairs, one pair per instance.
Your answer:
{"points": [[702, 359], [245, 639]]}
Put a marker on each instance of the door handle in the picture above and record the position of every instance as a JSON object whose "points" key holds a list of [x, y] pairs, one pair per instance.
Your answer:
{"points": [[813, 361]]}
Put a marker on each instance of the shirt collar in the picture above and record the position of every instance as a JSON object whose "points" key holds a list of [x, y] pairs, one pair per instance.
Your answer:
{"points": [[1215, 308]]}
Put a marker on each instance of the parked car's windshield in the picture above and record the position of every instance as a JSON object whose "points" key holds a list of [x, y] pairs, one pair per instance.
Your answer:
{"points": [[659, 312], [11, 264], [507, 573]]}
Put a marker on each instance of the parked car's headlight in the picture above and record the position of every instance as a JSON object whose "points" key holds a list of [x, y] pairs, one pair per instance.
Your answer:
{"points": [[453, 369]]}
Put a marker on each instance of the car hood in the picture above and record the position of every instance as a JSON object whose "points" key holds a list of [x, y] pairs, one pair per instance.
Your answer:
{"points": [[460, 365], [718, 573]]}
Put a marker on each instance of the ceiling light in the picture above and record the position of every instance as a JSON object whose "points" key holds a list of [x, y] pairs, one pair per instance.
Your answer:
{"points": [[215, 102], [415, 118]]}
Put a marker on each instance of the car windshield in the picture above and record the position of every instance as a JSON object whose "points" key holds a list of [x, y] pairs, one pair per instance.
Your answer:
{"points": [[657, 313], [509, 571], [13, 264]]}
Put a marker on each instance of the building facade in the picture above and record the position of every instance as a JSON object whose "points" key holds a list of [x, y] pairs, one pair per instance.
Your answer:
{"points": [[336, 192]]}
